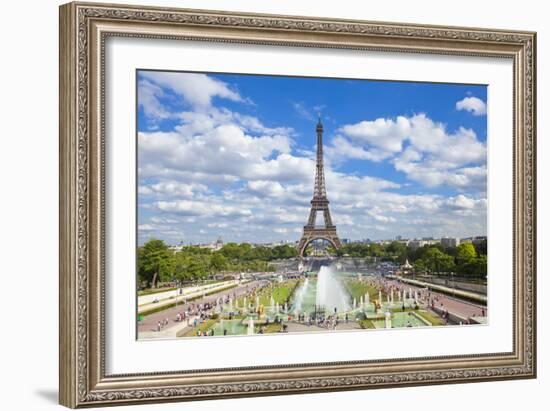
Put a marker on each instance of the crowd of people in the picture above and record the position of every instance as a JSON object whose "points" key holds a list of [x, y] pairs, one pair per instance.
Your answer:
{"points": [[195, 314]]}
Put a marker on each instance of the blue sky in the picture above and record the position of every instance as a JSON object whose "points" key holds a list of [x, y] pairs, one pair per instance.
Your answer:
{"points": [[233, 156]]}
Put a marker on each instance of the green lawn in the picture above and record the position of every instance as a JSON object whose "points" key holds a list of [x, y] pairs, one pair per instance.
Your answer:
{"points": [[205, 326], [150, 291], [434, 319], [281, 293], [366, 324], [357, 289], [272, 328]]}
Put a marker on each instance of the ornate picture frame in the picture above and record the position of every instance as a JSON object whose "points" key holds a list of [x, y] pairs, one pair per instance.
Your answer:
{"points": [[84, 29]]}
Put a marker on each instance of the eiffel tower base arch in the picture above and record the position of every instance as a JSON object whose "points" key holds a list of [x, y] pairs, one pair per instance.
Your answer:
{"points": [[312, 234]]}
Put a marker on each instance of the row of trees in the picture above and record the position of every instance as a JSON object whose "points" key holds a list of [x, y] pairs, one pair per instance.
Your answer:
{"points": [[466, 259], [157, 262], [463, 260]]}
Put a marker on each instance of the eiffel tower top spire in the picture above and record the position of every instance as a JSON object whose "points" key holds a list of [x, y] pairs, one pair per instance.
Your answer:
{"points": [[319, 191]]}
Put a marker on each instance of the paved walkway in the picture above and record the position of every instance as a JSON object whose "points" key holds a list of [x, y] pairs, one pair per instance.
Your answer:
{"points": [[147, 302], [350, 325], [301, 327], [455, 306], [149, 323]]}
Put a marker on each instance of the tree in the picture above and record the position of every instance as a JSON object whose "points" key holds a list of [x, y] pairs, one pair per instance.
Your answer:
{"points": [[465, 252], [481, 247], [396, 248], [283, 251], [438, 261], [475, 267], [419, 265], [468, 262], [155, 261], [182, 260], [218, 262], [235, 251], [479, 266], [197, 268], [375, 250]]}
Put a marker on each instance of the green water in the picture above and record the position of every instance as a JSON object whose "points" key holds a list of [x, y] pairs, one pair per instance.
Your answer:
{"points": [[307, 305], [233, 327], [400, 320]]}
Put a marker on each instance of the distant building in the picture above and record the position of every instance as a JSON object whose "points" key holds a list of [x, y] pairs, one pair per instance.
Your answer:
{"points": [[214, 246], [474, 240], [450, 241], [479, 239], [417, 243]]}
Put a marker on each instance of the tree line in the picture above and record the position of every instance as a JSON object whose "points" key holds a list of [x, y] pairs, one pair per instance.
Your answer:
{"points": [[466, 259], [157, 262]]}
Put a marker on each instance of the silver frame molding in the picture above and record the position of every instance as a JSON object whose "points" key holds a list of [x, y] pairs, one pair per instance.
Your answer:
{"points": [[84, 27]]}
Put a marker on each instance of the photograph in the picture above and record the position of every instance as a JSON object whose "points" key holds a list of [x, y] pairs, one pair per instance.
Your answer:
{"points": [[270, 204], [286, 200]]}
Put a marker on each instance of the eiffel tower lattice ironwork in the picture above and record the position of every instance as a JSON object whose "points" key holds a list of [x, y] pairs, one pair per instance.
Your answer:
{"points": [[319, 203]]}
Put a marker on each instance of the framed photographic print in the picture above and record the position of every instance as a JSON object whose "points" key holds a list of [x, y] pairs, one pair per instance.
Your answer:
{"points": [[259, 204]]}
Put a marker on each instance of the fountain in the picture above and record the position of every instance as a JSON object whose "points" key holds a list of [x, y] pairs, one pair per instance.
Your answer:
{"points": [[367, 298], [250, 330], [299, 298], [330, 293], [388, 319]]}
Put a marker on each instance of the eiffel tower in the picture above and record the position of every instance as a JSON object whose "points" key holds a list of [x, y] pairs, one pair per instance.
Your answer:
{"points": [[319, 203]]}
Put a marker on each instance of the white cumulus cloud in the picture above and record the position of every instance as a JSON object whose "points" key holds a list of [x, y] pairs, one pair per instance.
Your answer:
{"points": [[418, 146], [474, 105], [197, 89]]}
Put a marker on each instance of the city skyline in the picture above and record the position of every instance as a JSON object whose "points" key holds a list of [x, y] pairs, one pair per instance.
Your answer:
{"points": [[221, 240], [234, 156]]}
